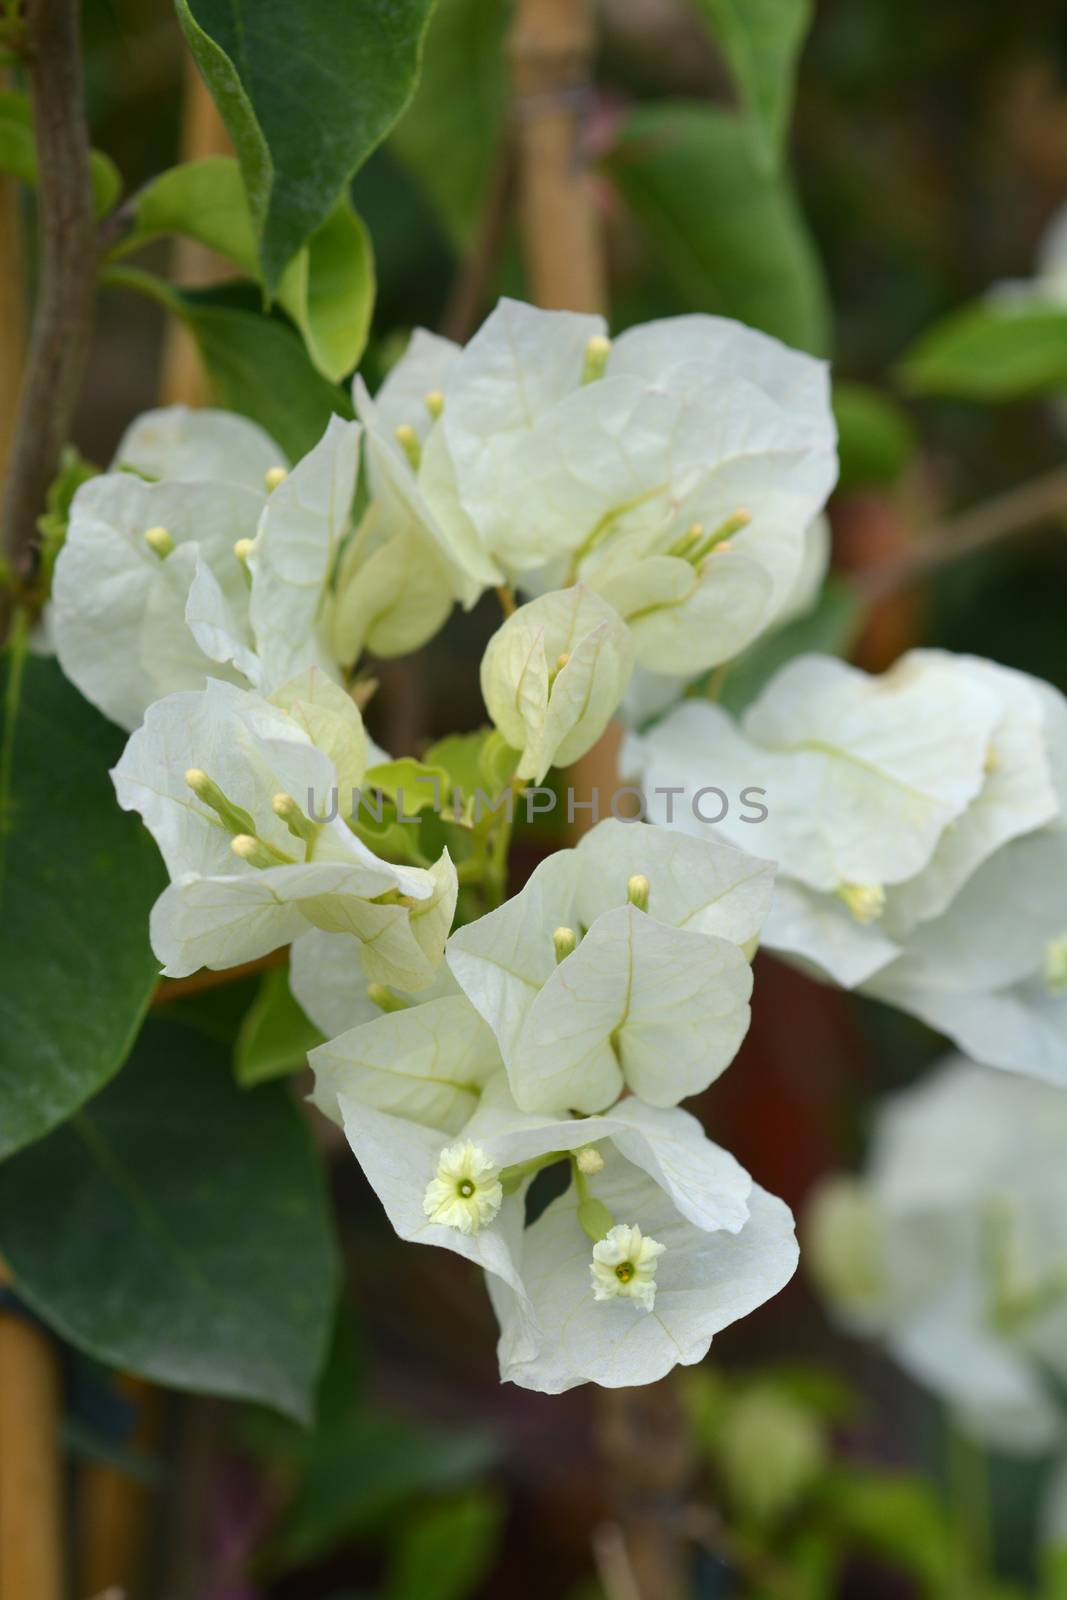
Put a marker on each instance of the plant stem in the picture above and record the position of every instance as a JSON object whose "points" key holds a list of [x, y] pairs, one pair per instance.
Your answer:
{"points": [[1041, 500], [63, 320], [969, 1491]]}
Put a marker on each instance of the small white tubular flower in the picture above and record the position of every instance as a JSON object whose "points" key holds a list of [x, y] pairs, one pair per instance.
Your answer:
{"points": [[587, 1319], [553, 675], [425, 1106], [919, 823], [962, 1218], [243, 751], [656, 999], [624, 1263], [464, 1192]]}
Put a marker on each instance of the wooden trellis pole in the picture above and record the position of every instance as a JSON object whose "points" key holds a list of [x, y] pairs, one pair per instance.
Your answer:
{"points": [[182, 378], [31, 1544]]}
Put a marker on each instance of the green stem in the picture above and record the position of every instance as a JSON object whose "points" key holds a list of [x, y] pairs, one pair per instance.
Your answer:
{"points": [[970, 1501]]}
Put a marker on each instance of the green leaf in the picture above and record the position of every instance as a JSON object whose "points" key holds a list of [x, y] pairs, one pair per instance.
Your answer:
{"points": [[761, 41], [307, 92], [259, 367], [18, 153], [898, 1518], [257, 364], [77, 881], [420, 785], [179, 1229], [275, 1035], [449, 137], [445, 1551], [990, 352], [460, 755], [328, 287], [362, 1467], [727, 231], [876, 439]]}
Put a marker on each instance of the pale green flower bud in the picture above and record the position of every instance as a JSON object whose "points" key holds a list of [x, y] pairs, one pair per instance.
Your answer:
{"points": [[159, 541], [273, 477], [300, 826], [564, 942], [1056, 965], [843, 1246], [597, 351], [408, 440], [258, 854], [637, 891], [234, 818], [770, 1453], [434, 401], [553, 675], [866, 901]]}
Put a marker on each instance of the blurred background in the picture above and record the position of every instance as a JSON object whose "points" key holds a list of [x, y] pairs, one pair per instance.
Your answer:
{"points": [[927, 156]]}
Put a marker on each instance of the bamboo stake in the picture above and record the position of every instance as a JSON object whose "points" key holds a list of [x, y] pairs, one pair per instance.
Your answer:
{"points": [[31, 1548], [114, 1509], [183, 380], [641, 1435], [551, 49]]}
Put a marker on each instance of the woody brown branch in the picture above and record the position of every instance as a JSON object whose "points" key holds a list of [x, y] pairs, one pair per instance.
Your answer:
{"points": [[63, 319]]}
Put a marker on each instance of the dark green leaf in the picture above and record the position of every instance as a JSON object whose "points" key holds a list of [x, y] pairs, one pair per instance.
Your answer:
{"points": [[307, 91], [450, 135], [761, 40], [727, 230], [445, 1551], [899, 1518], [990, 352], [257, 364], [77, 881], [363, 1467], [179, 1229], [876, 438], [328, 287], [18, 153], [275, 1036]]}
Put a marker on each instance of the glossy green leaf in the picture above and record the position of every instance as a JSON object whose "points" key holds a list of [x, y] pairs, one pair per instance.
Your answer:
{"points": [[444, 1552], [328, 287], [990, 352], [275, 1035], [876, 439], [307, 92], [761, 40], [77, 881], [179, 1229], [449, 137], [18, 153], [726, 230]]}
